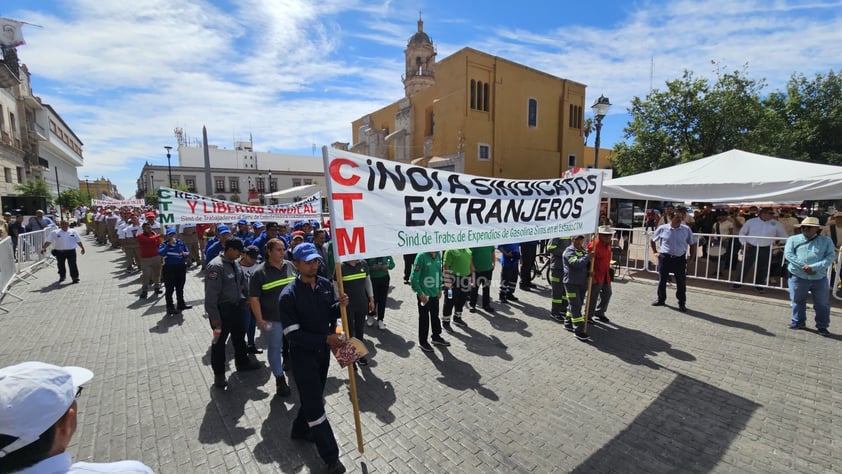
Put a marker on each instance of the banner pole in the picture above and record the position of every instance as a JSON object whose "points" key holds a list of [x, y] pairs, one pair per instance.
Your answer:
{"points": [[352, 379], [590, 281]]}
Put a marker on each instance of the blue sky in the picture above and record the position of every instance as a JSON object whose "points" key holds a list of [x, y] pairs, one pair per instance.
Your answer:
{"points": [[123, 74]]}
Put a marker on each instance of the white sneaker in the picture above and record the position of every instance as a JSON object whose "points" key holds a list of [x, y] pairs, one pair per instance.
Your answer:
{"points": [[381, 325], [369, 321]]}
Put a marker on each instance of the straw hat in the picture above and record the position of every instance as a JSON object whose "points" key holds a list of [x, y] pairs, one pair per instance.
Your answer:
{"points": [[809, 222]]}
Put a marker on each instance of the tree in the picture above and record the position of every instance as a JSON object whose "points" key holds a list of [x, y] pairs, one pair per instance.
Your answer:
{"points": [[587, 129], [69, 198], [151, 199], [804, 122], [33, 188], [691, 119]]}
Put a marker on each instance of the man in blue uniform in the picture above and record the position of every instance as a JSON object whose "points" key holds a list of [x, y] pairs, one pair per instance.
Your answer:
{"points": [[309, 309]]}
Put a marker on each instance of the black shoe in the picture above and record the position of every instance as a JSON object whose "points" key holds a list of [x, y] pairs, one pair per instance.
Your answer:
{"points": [[512, 298], [362, 361], [682, 308], [797, 325], [219, 381], [759, 289], [823, 332], [281, 386], [582, 336], [335, 468], [525, 288], [488, 309], [447, 327], [658, 303], [184, 306], [503, 300], [459, 322], [426, 347], [143, 295], [171, 310], [591, 321], [736, 286], [61, 279], [557, 318], [158, 291], [472, 309], [439, 341], [250, 365], [568, 326], [251, 349], [75, 280], [603, 319]]}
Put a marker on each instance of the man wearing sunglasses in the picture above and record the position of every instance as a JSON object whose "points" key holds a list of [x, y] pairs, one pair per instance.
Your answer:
{"points": [[808, 257], [38, 419]]}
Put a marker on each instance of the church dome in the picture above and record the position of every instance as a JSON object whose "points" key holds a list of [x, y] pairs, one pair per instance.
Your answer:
{"points": [[420, 38]]}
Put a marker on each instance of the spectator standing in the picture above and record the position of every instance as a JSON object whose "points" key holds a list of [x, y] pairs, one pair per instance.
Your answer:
{"points": [[309, 310], [808, 257], [39, 221], [38, 418], [65, 241], [677, 245], [15, 229], [758, 251], [426, 279]]}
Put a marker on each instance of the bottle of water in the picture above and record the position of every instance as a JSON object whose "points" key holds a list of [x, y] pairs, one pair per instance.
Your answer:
{"points": [[450, 293], [339, 329]]}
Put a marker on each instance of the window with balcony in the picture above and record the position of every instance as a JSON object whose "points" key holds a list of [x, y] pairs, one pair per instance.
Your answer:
{"points": [[261, 185], [191, 184], [219, 185], [235, 184]]}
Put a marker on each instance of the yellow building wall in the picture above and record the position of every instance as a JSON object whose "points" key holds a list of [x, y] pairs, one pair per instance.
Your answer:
{"points": [[606, 155], [517, 150]]}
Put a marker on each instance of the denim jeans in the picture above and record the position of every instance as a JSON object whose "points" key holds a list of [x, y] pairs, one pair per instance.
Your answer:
{"points": [[798, 289], [274, 347]]}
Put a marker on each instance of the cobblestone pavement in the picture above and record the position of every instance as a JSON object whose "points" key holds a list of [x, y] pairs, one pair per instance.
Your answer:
{"points": [[725, 387]]}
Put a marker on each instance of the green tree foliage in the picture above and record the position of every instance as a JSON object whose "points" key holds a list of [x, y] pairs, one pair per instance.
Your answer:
{"points": [[33, 187], [69, 198], [804, 122], [692, 118], [151, 199]]}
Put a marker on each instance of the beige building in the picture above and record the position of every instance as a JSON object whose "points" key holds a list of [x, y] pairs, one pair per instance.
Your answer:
{"points": [[479, 114]]}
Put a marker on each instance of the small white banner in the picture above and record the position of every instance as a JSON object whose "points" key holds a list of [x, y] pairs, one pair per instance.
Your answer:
{"points": [[118, 203], [180, 207], [382, 207], [11, 33]]}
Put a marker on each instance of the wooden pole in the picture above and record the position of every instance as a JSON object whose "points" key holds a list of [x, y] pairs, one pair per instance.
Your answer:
{"points": [[352, 379], [590, 281]]}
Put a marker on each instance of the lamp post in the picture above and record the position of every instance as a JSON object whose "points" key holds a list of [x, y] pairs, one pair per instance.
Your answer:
{"points": [[600, 108], [88, 187], [152, 182], [169, 167], [271, 200]]}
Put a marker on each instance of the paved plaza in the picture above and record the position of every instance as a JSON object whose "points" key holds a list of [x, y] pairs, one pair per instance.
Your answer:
{"points": [[725, 387]]}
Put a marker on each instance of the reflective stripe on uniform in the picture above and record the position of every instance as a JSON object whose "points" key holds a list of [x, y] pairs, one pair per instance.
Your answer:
{"points": [[559, 301], [274, 284], [290, 328], [355, 276], [580, 319], [555, 279], [570, 295], [321, 420]]}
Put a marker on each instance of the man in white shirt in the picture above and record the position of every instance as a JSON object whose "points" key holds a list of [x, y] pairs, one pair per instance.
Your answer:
{"points": [[38, 418], [65, 241], [758, 236]]}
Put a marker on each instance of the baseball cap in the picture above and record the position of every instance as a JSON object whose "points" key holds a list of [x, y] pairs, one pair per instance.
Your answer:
{"points": [[271, 225], [33, 397], [257, 225], [298, 233], [578, 236], [234, 243], [222, 229], [252, 251], [242, 222], [170, 231], [150, 215], [305, 252]]}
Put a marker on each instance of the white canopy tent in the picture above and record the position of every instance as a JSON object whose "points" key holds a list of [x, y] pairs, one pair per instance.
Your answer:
{"points": [[732, 176], [300, 191]]}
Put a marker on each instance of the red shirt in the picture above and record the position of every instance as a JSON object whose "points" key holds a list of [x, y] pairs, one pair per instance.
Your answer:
{"points": [[602, 263], [148, 245], [200, 230]]}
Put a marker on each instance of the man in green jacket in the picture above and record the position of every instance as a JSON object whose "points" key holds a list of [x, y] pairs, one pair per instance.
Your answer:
{"points": [[426, 281]]}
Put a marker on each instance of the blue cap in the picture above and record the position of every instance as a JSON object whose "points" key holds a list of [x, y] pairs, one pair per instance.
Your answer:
{"points": [[242, 222], [222, 229], [170, 231], [297, 225], [257, 225], [305, 252]]}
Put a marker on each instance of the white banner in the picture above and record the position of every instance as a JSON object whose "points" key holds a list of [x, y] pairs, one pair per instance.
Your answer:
{"points": [[11, 32], [388, 208], [118, 203], [180, 207]]}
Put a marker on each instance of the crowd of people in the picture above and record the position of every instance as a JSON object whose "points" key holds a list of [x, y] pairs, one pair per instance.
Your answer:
{"points": [[281, 279]]}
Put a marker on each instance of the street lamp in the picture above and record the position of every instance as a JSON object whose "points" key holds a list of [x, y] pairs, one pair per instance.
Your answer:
{"points": [[169, 167], [271, 200], [88, 187], [600, 108], [152, 182]]}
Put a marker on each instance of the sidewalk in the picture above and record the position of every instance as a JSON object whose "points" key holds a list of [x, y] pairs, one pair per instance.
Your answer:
{"points": [[725, 387]]}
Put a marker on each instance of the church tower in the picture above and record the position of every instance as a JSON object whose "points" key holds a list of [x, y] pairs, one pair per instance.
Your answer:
{"points": [[420, 62]]}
